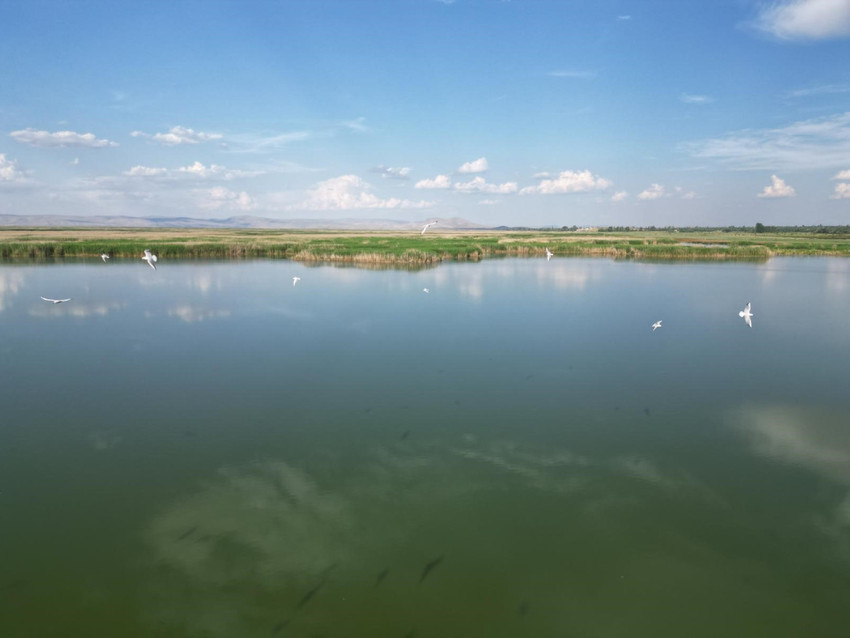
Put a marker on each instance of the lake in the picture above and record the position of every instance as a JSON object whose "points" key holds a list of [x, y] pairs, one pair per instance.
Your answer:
{"points": [[208, 450]]}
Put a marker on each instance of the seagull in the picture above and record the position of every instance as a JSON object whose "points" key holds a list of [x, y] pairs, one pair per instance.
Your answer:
{"points": [[295, 280], [56, 300], [150, 258], [427, 226], [747, 314], [549, 254], [104, 257], [656, 325], [426, 290]]}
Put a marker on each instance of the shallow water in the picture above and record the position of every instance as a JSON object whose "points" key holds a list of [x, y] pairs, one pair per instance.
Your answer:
{"points": [[206, 450]]}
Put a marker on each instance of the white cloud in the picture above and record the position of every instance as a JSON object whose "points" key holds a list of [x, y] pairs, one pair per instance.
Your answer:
{"points": [[179, 135], [349, 192], [806, 19], [9, 171], [59, 139], [622, 18], [477, 166], [389, 172], [689, 98], [569, 182], [842, 191], [75, 161], [145, 171], [480, 185], [809, 144], [439, 182], [843, 175], [619, 196], [777, 188], [222, 198], [655, 191]]}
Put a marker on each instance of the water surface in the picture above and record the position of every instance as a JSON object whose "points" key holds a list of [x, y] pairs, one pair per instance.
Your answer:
{"points": [[206, 450]]}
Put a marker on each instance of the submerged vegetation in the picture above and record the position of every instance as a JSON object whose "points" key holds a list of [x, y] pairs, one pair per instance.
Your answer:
{"points": [[413, 249]]}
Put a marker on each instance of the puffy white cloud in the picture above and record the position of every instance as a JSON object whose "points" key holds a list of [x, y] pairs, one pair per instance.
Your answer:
{"points": [[179, 135], [688, 98], [145, 171], [349, 192], [777, 188], [806, 19], [477, 166], [842, 191], [569, 182], [439, 182], [9, 171], [619, 196], [816, 143], [843, 175], [480, 185], [59, 139], [655, 191]]}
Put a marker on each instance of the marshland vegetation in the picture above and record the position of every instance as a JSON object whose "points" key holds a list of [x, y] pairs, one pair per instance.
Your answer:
{"points": [[413, 249]]}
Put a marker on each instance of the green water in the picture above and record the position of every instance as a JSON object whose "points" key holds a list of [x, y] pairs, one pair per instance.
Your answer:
{"points": [[206, 450]]}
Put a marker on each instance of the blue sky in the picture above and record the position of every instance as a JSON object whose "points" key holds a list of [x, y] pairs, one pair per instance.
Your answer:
{"points": [[520, 112]]}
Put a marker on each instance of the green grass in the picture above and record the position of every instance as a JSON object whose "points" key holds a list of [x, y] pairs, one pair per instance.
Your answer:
{"points": [[407, 249]]}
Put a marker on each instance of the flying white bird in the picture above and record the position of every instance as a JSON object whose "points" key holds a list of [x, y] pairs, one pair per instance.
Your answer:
{"points": [[747, 314], [549, 254], [104, 257], [56, 300], [150, 258], [656, 325], [295, 280], [427, 226], [426, 290]]}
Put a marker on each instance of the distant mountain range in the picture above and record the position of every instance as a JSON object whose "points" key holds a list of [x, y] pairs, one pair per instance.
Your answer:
{"points": [[246, 221]]}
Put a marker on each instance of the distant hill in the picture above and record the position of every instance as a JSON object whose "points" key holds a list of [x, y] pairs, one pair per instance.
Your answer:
{"points": [[246, 221]]}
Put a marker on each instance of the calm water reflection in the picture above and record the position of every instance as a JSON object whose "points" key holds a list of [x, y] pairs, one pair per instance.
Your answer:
{"points": [[206, 450]]}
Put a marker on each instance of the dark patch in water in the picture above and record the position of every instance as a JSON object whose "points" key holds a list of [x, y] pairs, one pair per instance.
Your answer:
{"points": [[283, 624], [382, 576], [646, 411], [405, 435], [309, 595], [187, 533], [522, 610], [430, 566], [15, 584]]}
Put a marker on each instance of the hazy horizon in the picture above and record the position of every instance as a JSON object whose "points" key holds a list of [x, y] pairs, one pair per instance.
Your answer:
{"points": [[503, 113]]}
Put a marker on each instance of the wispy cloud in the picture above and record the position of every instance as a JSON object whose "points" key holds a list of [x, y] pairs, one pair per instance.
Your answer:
{"points": [[197, 170], [777, 188], [690, 98], [823, 89], [843, 175], [476, 166], [59, 139], [809, 144], [179, 135], [571, 73], [480, 185], [805, 19], [624, 18], [568, 182], [349, 192], [619, 196], [390, 172]]}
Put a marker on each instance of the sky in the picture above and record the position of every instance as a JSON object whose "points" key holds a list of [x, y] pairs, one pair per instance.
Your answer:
{"points": [[502, 112]]}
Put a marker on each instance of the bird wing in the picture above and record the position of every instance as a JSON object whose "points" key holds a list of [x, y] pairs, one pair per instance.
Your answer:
{"points": [[46, 299], [749, 320], [153, 257]]}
